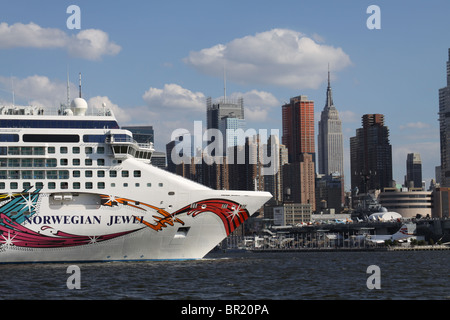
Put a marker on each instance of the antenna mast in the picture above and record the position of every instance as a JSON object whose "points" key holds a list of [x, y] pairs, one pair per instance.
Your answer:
{"points": [[328, 74], [80, 85], [68, 89], [224, 83], [13, 95]]}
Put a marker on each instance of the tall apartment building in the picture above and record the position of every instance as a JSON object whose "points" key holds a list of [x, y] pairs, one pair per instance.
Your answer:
{"points": [[413, 171], [329, 193], [444, 128], [273, 182], [213, 174], [298, 128], [298, 137], [371, 155], [245, 173], [330, 146], [299, 181]]}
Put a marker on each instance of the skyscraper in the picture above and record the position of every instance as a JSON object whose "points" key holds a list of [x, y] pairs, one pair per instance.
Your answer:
{"points": [[224, 108], [371, 155], [444, 128], [299, 181], [413, 170], [230, 128], [330, 147], [246, 174], [273, 182], [225, 115], [298, 128], [298, 137]]}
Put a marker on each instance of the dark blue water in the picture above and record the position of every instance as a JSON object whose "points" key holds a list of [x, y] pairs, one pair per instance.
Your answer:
{"points": [[241, 276]]}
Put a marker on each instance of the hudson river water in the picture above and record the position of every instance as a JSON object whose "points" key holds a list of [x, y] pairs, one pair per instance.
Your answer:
{"points": [[241, 276]]}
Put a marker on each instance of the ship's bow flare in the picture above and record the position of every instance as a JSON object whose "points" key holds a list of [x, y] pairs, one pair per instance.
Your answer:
{"points": [[216, 216]]}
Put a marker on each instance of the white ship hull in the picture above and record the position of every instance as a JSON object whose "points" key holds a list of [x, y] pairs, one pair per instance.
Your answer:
{"points": [[68, 227]]}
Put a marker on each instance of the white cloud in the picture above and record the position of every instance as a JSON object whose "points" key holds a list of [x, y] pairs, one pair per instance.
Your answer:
{"points": [[255, 98], [348, 116], [92, 44], [89, 44], [280, 57], [30, 35], [173, 96], [122, 115], [257, 104], [256, 114], [168, 109], [318, 38], [415, 125], [37, 90]]}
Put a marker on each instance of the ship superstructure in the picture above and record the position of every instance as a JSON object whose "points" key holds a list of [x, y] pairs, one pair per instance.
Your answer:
{"points": [[76, 187]]}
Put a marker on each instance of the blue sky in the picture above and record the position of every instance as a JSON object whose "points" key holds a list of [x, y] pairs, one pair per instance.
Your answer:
{"points": [[155, 62]]}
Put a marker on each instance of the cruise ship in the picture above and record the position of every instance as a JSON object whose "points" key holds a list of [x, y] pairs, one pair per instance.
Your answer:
{"points": [[74, 187]]}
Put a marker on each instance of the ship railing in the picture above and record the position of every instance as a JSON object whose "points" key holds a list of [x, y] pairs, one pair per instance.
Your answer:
{"points": [[129, 140], [126, 147], [49, 111], [146, 146], [120, 140]]}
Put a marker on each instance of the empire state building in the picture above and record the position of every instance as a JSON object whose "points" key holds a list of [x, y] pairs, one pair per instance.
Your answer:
{"points": [[330, 146], [444, 126]]}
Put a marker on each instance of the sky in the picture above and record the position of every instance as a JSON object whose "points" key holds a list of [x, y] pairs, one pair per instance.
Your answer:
{"points": [[156, 62]]}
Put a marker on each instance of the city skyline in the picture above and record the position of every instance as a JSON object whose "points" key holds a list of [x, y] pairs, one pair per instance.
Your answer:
{"points": [[155, 64]]}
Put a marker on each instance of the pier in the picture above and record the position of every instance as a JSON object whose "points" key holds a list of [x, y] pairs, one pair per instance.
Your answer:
{"points": [[337, 249], [349, 237], [357, 249], [418, 248]]}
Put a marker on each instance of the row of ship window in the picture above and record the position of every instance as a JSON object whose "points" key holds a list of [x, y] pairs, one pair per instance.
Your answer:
{"points": [[65, 185], [62, 174], [60, 138], [48, 163], [40, 151]]}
